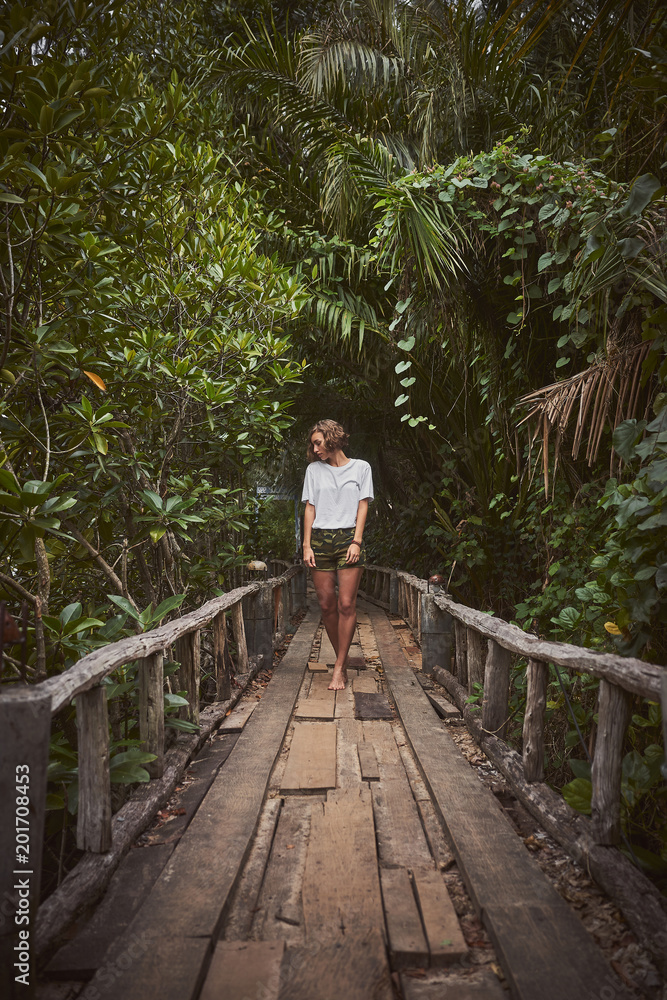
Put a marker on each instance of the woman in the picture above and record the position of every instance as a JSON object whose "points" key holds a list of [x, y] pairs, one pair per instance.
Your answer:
{"points": [[336, 490]]}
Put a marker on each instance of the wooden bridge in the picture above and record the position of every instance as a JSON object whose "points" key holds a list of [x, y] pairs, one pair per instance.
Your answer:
{"points": [[326, 844]]}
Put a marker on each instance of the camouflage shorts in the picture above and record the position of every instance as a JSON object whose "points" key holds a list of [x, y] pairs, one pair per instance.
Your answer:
{"points": [[330, 547]]}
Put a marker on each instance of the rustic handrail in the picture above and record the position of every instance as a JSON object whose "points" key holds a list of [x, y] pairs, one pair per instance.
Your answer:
{"points": [[258, 612], [635, 676]]}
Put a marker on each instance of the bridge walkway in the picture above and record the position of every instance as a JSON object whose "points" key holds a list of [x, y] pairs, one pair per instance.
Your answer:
{"points": [[329, 845]]}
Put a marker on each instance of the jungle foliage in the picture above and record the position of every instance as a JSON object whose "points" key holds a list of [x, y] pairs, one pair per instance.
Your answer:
{"points": [[441, 223]]}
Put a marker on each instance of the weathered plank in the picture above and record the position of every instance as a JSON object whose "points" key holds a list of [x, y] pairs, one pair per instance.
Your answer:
{"points": [[188, 654], [368, 762], [365, 685], [133, 879], [350, 732], [481, 984], [341, 886], [278, 908], [311, 765], [317, 667], [189, 899], [238, 629], [236, 720], [443, 932], [401, 840], [222, 661], [372, 706], [545, 955], [243, 969], [320, 703], [356, 970], [407, 944], [242, 910], [345, 703], [444, 708], [504, 876]]}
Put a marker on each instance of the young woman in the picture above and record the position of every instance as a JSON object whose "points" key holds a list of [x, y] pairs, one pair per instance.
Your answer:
{"points": [[336, 490]]}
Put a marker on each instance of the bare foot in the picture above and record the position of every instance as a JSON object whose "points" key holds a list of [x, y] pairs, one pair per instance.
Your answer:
{"points": [[339, 679]]}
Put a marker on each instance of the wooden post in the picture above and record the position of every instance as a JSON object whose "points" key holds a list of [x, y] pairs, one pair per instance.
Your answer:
{"points": [[414, 612], [613, 718], [25, 727], [93, 829], [377, 585], [537, 675], [264, 611], [385, 588], [238, 628], [461, 653], [189, 657], [436, 638], [151, 710], [495, 704], [300, 582], [476, 646], [221, 658], [393, 593]]}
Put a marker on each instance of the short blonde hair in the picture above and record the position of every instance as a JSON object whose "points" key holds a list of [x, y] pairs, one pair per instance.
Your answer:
{"points": [[333, 434]]}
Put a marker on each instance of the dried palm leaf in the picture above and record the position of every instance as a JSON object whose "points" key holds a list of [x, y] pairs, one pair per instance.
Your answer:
{"points": [[616, 378]]}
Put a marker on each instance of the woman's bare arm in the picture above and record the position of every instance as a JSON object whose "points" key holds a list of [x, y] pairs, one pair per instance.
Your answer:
{"points": [[308, 518], [354, 549]]}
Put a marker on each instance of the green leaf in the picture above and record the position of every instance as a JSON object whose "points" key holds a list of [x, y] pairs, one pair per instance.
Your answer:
{"points": [[70, 613], [578, 794], [124, 605], [402, 366], [626, 437], [406, 345], [544, 261], [643, 190], [166, 606], [401, 399]]}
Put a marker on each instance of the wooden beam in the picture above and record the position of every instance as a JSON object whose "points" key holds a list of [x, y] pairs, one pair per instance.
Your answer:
{"points": [[238, 628], [188, 654], [93, 828]]}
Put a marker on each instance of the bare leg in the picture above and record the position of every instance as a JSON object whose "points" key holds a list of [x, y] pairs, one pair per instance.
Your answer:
{"points": [[348, 584], [324, 583]]}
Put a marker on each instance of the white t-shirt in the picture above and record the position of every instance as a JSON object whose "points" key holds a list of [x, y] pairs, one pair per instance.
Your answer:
{"points": [[335, 491]]}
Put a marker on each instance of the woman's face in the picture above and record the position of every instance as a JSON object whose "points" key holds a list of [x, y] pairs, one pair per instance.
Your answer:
{"points": [[319, 447]]}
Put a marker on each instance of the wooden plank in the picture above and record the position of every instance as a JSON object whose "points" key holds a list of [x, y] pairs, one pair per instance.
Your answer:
{"points": [[188, 654], [222, 661], [185, 909], [365, 685], [341, 886], [444, 708], [133, 879], [481, 984], [372, 706], [345, 703], [311, 764], [327, 652], [320, 703], [443, 932], [278, 908], [400, 836], [236, 720], [495, 703], [368, 762], [407, 944], [545, 956], [505, 875], [243, 969], [238, 629], [317, 667], [350, 732], [239, 919], [356, 969]]}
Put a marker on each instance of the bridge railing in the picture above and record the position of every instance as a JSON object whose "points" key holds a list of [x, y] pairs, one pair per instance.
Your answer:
{"points": [[462, 646], [257, 612]]}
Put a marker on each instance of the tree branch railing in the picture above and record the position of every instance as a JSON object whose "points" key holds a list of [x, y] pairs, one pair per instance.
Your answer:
{"points": [[258, 612], [483, 647]]}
